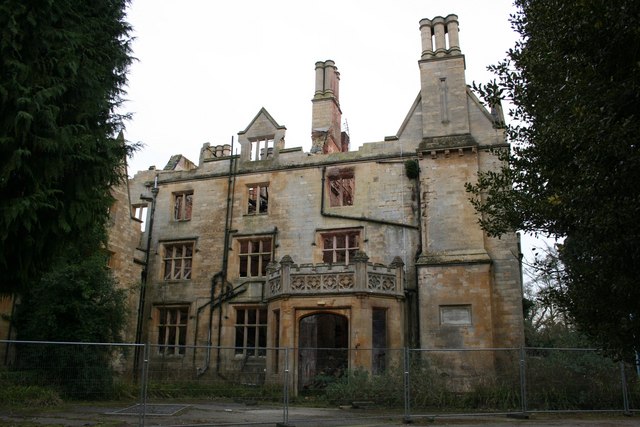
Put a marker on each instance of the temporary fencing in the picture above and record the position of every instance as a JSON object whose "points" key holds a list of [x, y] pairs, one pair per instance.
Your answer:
{"points": [[401, 383]]}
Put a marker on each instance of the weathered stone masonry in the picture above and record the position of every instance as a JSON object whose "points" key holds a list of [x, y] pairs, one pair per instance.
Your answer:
{"points": [[275, 247]]}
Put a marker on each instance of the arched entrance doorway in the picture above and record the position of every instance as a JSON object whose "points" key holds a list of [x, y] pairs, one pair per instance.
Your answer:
{"points": [[323, 343]]}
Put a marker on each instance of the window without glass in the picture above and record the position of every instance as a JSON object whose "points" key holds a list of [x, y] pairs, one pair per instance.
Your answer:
{"points": [[341, 188], [262, 149], [140, 212], [178, 258], [182, 206], [258, 199], [172, 329], [111, 259], [255, 254], [251, 331], [379, 328], [340, 247]]}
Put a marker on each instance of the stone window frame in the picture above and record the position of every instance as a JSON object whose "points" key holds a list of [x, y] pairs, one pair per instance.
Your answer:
{"points": [[139, 212], [262, 148], [337, 247], [379, 352], [262, 192], [460, 307], [341, 185], [171, 322], [177, 260], [111, 262], [182, 205], [250, 331], [253, 256]]}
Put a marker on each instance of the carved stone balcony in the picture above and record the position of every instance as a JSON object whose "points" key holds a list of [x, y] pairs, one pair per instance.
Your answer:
{"points": [[360, 277]]}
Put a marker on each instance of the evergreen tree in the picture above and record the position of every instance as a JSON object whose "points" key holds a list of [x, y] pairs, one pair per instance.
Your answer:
{"points": [[63, 68], [574, 82], [78, 301]]}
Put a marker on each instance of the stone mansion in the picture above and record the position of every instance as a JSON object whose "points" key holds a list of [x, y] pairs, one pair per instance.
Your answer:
{"points": [[261, 246]]}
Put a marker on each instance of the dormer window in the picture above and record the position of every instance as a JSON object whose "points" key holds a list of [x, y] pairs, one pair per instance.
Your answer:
{"points": [[262, 148]]}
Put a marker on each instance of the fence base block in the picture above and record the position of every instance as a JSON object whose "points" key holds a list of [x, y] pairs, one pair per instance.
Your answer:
{"points": [[519, 416]]}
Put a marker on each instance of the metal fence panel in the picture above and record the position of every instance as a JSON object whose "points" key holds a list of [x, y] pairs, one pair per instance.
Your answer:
{"points": [[396, 383], [215, 373], [367, 377], [572, 380], [69, 371], [632, 379], [464, 380]]}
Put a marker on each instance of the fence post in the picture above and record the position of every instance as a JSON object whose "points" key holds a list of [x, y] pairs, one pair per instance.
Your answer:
{"points": [[625, 390], [407, 393], [143, 385], [285, 390], [523, 381]]}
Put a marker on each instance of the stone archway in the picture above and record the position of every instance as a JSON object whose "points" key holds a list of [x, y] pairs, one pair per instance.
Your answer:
{"points": [[323, 342]]}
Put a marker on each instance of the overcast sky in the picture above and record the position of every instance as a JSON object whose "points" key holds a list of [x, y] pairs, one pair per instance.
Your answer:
{"points": [[205, 68]]}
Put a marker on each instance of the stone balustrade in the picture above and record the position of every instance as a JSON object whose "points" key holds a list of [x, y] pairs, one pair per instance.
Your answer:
{"points": [[361, 276]]}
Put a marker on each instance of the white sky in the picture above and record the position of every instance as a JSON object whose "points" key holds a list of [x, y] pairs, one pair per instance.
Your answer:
{"points": [[205, 68]]}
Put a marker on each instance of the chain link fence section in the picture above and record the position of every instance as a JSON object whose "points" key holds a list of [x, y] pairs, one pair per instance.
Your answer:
{"points": [[399, 383], [35, 371], [215, 373], [469, 381], [570, 379]]}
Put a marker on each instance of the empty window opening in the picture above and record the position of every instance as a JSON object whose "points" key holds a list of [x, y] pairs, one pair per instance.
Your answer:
{"points": [[178, 259], [341, 188], [340, 247], [111, 259], [172, 329], [254, 255], [251, 332], [140, 212], [262, 149], [276, 339], [182, 206], [379, 328], [258, 199]]}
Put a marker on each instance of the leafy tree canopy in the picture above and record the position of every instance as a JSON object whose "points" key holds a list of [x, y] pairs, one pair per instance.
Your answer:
{"points": [[573, 80], [63, 67]]}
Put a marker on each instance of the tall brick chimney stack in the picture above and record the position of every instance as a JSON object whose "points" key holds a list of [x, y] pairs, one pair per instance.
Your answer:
{"points": [[326, 133], [444, 97]]}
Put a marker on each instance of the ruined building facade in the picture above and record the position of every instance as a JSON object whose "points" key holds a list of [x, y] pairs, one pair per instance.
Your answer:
{"points": [[261, 246]]}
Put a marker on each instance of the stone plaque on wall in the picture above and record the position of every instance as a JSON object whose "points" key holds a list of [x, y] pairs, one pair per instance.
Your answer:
{"points": [[455, 315]]}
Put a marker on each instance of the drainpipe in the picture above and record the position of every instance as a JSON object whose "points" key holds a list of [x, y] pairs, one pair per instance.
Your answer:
{"points": [[220, 276], [145, 275], [416, 295], [383, 222], [357, 218], [231, 186]]}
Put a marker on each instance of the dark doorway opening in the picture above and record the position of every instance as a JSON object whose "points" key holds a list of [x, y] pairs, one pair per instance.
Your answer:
{"points": [[322, 350]]}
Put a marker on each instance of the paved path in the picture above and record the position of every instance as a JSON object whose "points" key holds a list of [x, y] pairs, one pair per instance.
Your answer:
{"points": [[228, 414]]}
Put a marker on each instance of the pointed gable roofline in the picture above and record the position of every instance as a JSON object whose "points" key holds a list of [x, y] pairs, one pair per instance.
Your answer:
{"points": [[266, 114]]}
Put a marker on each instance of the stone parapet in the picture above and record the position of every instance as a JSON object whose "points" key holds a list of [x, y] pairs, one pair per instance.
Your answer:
{"points": [[291, 279]]}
